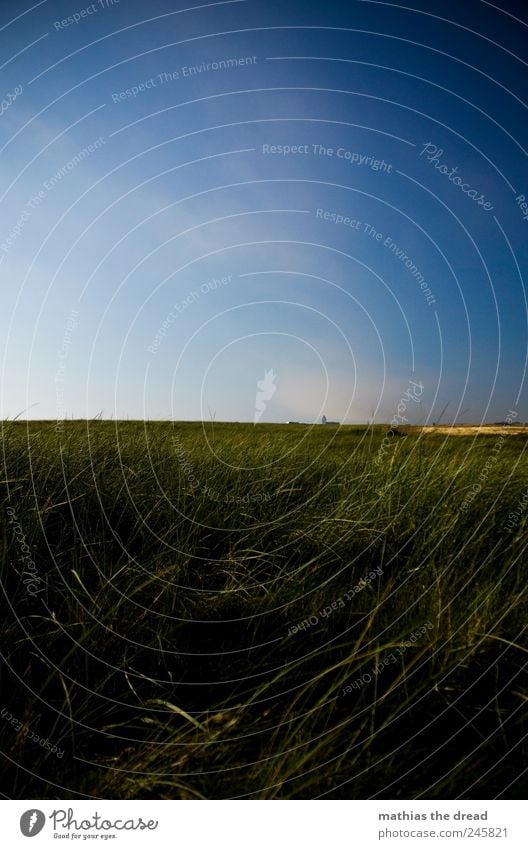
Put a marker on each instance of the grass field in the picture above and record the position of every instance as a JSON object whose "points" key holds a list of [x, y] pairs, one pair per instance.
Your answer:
{"points": [[266, 612]]}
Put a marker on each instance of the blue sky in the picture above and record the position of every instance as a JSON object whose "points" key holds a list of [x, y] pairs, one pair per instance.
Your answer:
{"points": [[191, 197]]}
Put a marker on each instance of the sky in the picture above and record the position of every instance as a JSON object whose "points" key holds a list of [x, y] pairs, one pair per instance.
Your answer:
{"points": [[264, 211]]}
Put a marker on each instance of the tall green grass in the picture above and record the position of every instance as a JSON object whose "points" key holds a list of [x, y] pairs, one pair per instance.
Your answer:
{"points": [[176, 645]]}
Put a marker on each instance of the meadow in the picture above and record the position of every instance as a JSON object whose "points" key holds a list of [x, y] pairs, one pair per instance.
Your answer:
{"points": [[268, 612]]}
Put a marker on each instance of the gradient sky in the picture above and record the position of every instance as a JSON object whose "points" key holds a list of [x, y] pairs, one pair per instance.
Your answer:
{"points": [[181, 256]]}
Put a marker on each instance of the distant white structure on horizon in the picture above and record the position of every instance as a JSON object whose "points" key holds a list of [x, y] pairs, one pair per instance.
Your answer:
{"points": [[324, 420]]}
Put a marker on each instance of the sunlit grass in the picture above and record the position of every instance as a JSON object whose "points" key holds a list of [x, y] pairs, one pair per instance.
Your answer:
{"points": [[174, 562]]}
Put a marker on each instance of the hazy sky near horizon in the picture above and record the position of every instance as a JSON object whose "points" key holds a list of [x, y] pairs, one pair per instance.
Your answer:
{"points": [[195, 195]]}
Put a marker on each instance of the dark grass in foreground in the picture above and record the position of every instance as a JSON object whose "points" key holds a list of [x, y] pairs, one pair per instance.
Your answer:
{"points": [[163, 589]]}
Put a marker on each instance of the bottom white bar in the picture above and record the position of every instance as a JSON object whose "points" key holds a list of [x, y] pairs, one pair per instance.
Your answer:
{"points": [[260, 825]]}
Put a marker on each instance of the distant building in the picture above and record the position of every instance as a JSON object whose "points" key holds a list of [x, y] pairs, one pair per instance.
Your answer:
{"points": [[324, 420]]}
